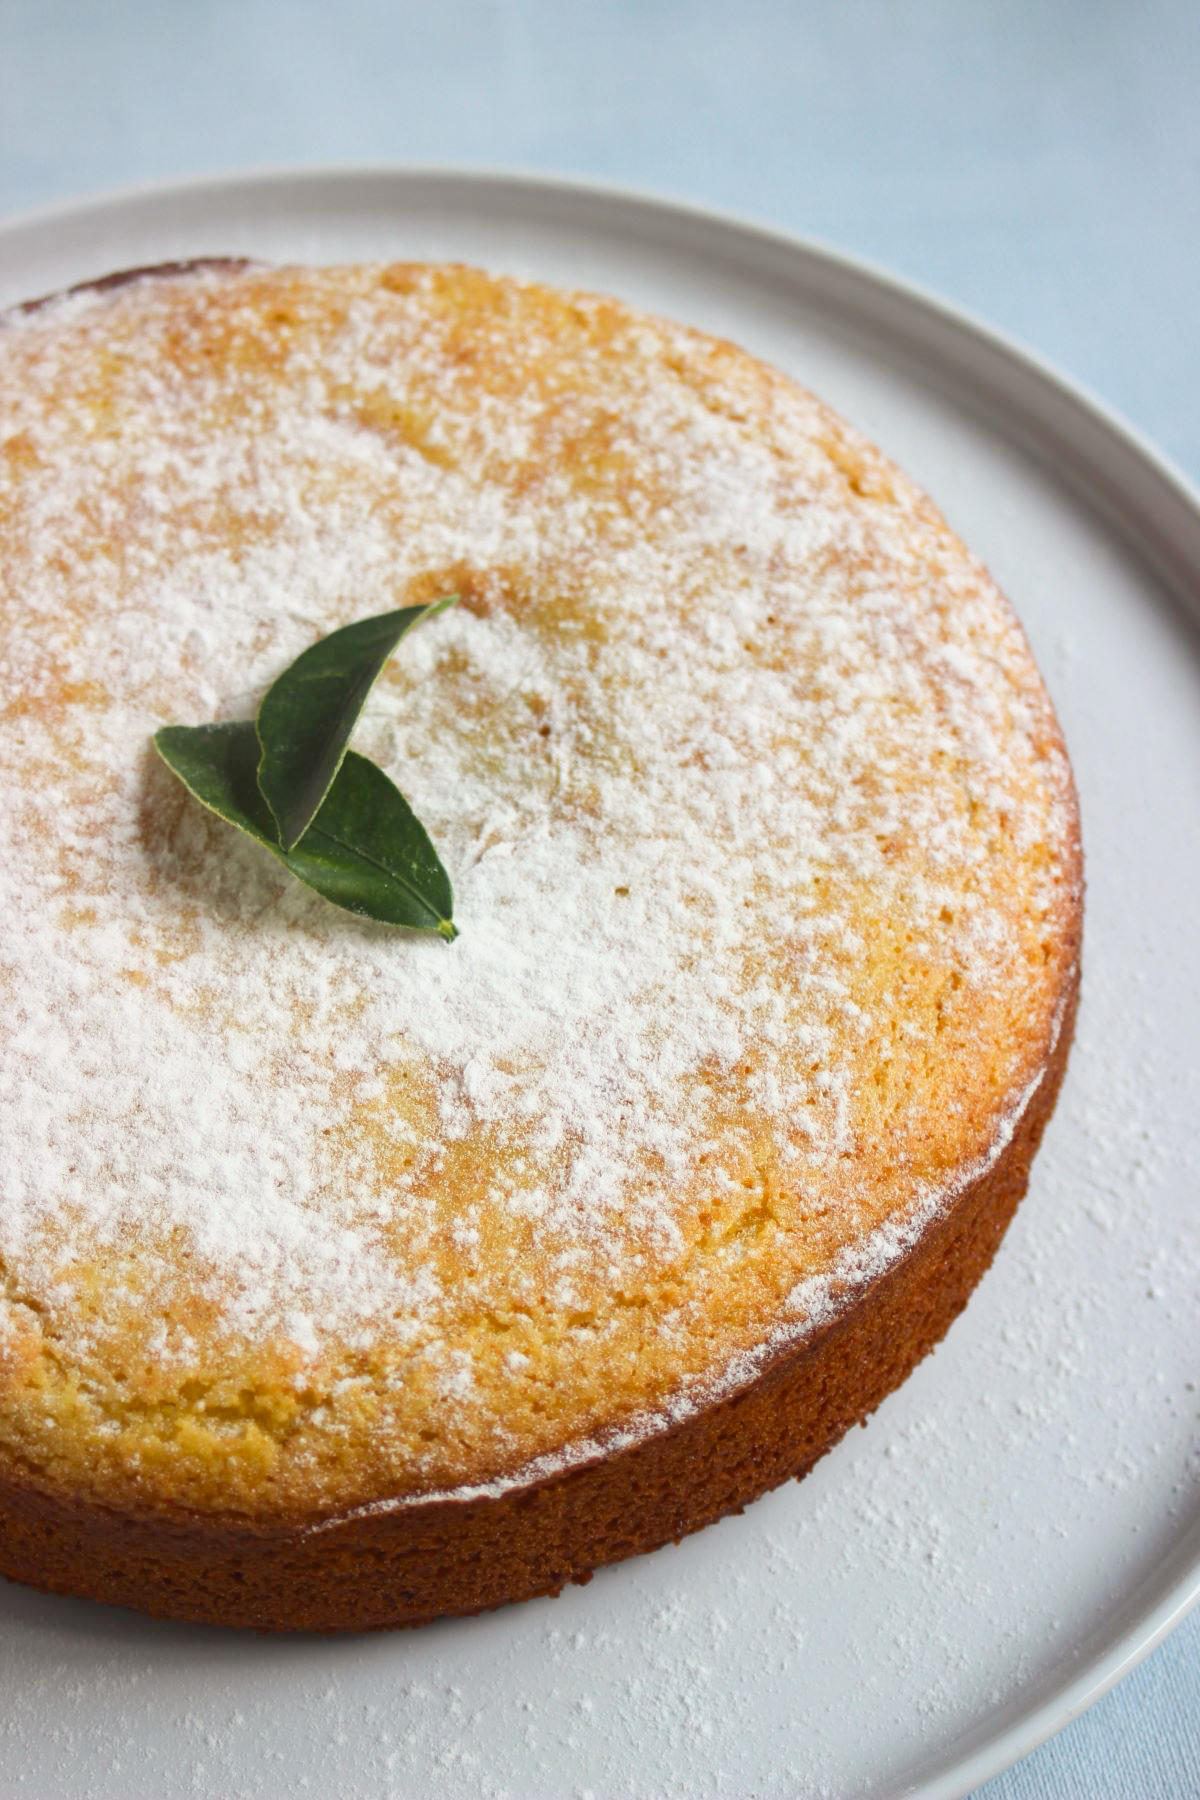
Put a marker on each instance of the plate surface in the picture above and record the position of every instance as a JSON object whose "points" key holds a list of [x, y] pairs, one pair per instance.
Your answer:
{"points": [[1021, 1521]]}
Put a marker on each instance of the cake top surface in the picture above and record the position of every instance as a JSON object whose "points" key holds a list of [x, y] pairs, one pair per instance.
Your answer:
{"points": [[761, 831]]}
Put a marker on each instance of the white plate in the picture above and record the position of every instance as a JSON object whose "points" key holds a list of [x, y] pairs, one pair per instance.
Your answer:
{"points": [[1022, 1521]]}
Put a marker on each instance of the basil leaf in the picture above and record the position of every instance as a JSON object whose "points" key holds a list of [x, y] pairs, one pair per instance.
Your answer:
{"points": [[366, 850], [307, 715]]}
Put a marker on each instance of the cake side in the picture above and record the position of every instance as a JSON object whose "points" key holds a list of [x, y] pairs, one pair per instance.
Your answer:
{"points": [[760, 814], [388, 1567]]}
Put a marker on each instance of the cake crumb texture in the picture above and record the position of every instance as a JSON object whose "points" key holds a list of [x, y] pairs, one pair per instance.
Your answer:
{"points": [[766, 866]]}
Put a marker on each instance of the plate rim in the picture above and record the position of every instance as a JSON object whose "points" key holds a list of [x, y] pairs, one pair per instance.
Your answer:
{"points": [[1162, 502]]}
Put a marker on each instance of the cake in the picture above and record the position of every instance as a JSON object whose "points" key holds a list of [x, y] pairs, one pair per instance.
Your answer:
{"points": [[352, 1278]]}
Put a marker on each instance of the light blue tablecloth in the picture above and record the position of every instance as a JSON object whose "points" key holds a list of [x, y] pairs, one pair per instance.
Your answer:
{"points": [[1037, 161]]}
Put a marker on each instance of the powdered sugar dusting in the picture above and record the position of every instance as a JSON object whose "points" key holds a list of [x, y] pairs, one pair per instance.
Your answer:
{"points": [[813, 1302], [716, 725]]}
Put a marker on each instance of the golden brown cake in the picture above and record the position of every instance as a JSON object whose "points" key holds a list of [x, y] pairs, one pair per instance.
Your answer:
{"points": [[348, 1277]]}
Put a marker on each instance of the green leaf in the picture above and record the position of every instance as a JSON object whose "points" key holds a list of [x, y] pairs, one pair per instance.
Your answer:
{"points": [[307, 715], [366, 850]]}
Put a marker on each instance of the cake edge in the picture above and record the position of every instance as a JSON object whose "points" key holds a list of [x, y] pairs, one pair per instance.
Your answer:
{"points": [[384, 1567]]}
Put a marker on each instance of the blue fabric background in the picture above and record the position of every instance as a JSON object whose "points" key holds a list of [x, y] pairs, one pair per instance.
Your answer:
{"points": [[1035, 160]]}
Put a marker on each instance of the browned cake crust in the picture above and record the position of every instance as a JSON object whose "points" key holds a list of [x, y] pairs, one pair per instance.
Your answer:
{"points": [[404, 1563], [409, 1566]]}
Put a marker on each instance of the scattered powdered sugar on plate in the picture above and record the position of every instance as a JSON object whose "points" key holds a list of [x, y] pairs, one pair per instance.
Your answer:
{"points": [[714, 718]]}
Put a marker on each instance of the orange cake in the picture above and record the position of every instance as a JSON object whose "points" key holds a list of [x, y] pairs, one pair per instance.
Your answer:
{"points": [[349, 1277]]}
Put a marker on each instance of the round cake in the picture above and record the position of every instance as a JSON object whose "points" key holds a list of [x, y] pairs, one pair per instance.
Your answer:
{"points": [[350, 1277]]}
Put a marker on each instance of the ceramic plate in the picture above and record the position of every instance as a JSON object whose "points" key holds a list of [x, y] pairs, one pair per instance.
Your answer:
{"points": [[1021, 1521]]}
